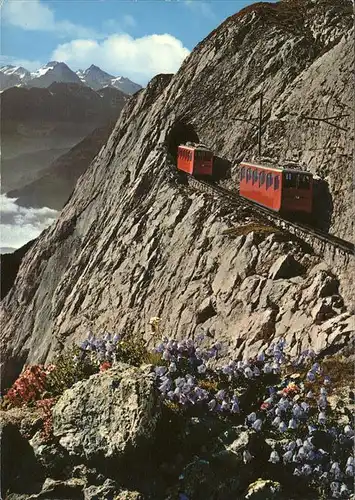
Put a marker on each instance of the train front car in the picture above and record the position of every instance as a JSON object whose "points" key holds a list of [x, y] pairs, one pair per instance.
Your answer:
{"points": [[196, 160], [203, 162], [297, 192]]}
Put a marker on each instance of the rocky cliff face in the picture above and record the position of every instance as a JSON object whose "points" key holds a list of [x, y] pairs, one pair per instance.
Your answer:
{"points": [[131, 243]]}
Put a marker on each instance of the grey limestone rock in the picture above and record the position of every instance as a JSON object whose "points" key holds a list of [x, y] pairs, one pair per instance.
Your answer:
{"points": [[109, 415]]}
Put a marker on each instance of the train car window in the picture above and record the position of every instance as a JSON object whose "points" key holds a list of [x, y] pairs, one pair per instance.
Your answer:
{"points": [[276, 182], [268, 180], [255, 176], [248, 175], [290, 180], [261, 178], [242, 172], [304, 181]]}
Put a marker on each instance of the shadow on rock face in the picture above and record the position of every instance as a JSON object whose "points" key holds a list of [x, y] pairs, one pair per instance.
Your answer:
{"points": [[222, 168], [180, 133], [322, 204], [20, 471], [9, 265]]}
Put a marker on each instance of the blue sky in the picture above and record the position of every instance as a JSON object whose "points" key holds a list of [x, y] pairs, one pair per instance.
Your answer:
{"points": [[137, 39]]}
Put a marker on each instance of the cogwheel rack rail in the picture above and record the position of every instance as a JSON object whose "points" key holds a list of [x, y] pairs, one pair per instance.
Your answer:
{"points": [[298, 229]]}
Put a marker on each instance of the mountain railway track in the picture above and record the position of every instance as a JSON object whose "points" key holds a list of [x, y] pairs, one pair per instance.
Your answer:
{"points": [[300, 230]]}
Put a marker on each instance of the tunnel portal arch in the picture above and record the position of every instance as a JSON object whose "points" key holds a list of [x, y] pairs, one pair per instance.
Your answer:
{"points": [[180, 133]]}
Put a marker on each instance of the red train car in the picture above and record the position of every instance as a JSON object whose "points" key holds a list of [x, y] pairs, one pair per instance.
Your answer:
{"points": [[280, 189], [195, 160]]}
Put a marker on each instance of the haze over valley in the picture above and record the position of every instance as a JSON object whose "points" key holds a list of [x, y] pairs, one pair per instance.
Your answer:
{"points": [[53, 124]]}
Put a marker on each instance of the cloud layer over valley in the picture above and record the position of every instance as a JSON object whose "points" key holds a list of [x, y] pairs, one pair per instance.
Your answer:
{"points": [[20, 225]]}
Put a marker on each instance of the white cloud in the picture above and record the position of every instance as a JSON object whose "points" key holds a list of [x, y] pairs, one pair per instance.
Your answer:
{"points": [[202, 8], [20, 225], [32, 15], [137, 58]]}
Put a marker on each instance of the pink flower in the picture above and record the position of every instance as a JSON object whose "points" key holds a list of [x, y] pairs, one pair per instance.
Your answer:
{"points": [[105, 366], [265, 406]]}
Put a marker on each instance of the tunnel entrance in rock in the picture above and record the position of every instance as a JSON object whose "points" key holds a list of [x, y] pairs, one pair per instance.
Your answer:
{"points": [[180, 133]]}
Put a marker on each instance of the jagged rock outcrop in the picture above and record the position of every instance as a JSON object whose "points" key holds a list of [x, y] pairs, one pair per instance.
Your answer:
{"points": [[131, 244], [105, 430]]}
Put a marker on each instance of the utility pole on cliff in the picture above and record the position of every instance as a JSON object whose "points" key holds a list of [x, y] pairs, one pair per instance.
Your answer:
{"points": [[260, 121]]}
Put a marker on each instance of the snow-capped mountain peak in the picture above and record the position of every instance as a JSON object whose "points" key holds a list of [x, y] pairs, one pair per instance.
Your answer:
{"points": [[51, 72], [59, 72], [15, 70], [18, 71], [93, 67], [13, 76], [96, 78], [50, 66], [41, 71]]}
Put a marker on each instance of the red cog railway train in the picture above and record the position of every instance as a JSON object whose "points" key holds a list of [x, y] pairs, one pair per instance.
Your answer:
{"points": [[277, 188]]}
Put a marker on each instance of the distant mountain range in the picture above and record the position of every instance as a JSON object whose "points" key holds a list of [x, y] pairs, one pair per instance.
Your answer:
{"points": [[61, 102], [38, 125], [59, 72]]}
